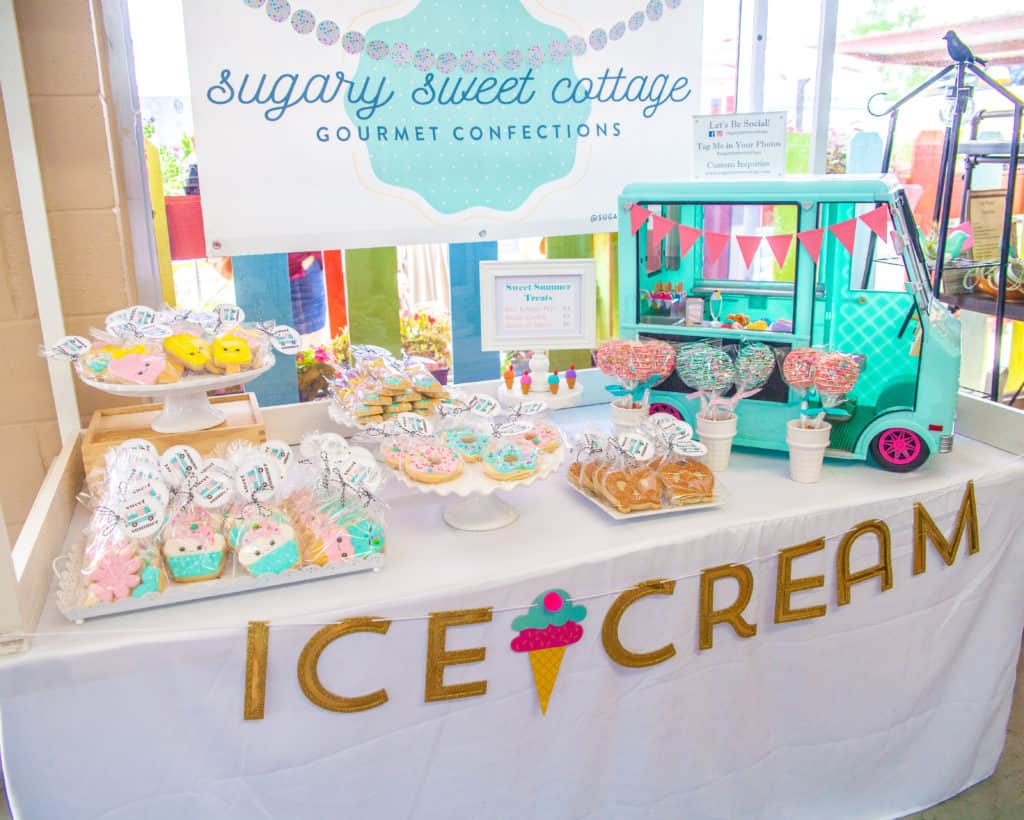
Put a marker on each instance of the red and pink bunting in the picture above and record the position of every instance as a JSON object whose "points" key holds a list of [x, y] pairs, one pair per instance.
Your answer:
{"points": [[877, 220], [715, 243], [845, 232], [637, 217], [748, 247], [811, 240], [780, 244], [661, 228], [687, 236]]}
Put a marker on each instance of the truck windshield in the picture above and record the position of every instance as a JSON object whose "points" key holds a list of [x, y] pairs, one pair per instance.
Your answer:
{"points": [[913, 256]]}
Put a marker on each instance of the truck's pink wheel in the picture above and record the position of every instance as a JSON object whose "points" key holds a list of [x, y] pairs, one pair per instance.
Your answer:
{"points": [[660, 407], [899, 450]]}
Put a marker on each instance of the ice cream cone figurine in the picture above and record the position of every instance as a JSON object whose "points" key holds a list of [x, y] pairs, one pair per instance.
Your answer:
{"points": [[570, 376], [553, 383], [510, 377], [545, 631], [525, 381]]}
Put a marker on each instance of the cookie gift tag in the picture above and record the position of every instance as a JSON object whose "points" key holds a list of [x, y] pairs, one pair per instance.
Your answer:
{"points": [[257, 478], [319, 447], [285, 340], [636, 446], [413, 424], [689, 449], [179, 463], [213, 484], [67, 349], [229, 314], [669, 427], [480, 404], [279, 451]]}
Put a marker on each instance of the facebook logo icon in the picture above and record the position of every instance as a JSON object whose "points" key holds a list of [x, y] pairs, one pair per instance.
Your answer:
{"points": [[711, 133]]}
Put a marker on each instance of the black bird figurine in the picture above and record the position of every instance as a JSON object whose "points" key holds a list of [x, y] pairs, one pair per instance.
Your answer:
{"points": [[959, 50]]}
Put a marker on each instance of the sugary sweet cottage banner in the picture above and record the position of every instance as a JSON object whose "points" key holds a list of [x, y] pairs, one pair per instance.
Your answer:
{"points": [[356, 123]]}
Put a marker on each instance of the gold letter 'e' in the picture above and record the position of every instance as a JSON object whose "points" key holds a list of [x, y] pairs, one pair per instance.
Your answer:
{"points": [[438, 657]]}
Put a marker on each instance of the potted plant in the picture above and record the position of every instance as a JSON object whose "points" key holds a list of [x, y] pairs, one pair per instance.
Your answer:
{"points": [[428, 337], [316, 366]]}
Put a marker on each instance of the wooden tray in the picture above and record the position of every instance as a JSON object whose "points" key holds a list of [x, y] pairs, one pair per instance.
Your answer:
{"points": [[112, 426]]}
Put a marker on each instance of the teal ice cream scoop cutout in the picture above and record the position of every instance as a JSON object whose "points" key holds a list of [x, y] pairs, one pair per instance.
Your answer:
{"points": [[551, 608]]}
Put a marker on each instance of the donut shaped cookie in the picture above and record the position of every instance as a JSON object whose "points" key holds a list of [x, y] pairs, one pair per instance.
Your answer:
{"points": [[467, 442], [432, 463], [544, 437], [510, 461]]}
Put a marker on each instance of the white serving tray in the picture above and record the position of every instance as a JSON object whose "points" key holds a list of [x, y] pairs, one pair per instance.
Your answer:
{"points": [[70, 585], [474, 481], [717, 499]]}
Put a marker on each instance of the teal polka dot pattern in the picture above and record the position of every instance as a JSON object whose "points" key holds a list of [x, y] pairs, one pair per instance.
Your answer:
{"points": [[328, 32], [303, 21]]}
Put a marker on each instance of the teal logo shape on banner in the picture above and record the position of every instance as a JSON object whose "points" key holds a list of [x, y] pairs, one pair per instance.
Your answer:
{"points": [[476, 122]]}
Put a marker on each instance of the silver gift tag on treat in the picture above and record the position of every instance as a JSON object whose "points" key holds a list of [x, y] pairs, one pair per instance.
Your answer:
{"points": [[142, 517], [637, 446], [482, 405], [213, 487], [258, 478], [179, 462], [285, 340], [280, 451], [413, 424], [229, 314], [671, 427], [68, 349]]}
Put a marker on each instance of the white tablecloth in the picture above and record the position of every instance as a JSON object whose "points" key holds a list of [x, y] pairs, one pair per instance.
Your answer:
{"points": [[882, 707]]}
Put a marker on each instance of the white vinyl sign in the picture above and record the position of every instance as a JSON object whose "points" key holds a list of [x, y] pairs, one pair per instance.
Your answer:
{"points": [[740, 145], [354, 123]]}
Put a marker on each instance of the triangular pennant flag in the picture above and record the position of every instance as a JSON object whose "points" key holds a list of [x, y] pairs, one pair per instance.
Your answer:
{"points": [[637, 217], [748, 247], [661, 228], [845, 231], [780, 244], [687, 236], [876, 220], [965, 227], [811, 240], [715, 243]]}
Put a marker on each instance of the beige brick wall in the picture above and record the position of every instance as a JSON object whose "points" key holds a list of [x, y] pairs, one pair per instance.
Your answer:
{"points": [[91, 245]]}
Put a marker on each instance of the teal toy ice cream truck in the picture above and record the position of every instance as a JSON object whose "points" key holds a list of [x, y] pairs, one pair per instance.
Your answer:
{"points": [[831, 262]]}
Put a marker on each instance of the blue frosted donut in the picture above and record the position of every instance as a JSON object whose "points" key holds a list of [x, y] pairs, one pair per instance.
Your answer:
{"points": [[510, 461], [467, 442]]}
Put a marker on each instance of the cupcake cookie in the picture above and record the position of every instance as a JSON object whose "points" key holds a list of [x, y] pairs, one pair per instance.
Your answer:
{"points": [[266, 545], [194, 547]]}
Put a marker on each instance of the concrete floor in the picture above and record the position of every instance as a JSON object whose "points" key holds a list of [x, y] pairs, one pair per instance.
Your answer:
{"points": [[1001, 797]]}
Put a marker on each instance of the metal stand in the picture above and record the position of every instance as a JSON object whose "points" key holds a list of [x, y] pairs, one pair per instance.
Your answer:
{"points": [[959, 96]]}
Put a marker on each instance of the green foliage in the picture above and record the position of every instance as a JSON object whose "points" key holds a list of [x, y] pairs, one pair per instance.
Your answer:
{"points": [[174, 160], [880, 16]]}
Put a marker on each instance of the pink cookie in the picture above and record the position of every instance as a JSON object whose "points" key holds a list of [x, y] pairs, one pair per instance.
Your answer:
{"points": [[114, 576], [137, 368]]}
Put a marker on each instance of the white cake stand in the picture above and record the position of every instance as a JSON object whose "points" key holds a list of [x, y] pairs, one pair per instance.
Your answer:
{"points": [[187, 407], [476, 506]]}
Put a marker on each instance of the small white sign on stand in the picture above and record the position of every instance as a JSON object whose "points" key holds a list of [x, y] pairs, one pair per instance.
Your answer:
{"points": [[539, 305], [739, 145]]}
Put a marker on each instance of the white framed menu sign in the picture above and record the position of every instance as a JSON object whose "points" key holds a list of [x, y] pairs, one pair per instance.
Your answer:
{"points": [[548, 304]]}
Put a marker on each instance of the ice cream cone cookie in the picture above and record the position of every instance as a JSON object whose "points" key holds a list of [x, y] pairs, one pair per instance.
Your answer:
{"points": [[194, 547], [432, 463], [570, 377], [552, 624], [553, 383], [96, 362], [467, 442], [268, 546], [232, 353], [152, 577], [525, 382], [544, 437], [137, 368], [510, 377], [510, 460], [189, 350]]}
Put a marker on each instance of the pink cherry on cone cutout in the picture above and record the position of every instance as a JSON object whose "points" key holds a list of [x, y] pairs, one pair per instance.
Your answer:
{"points": [[552, 602], [811, 240], [687, 236], [845, 231], [661, 228], [748, 247], [876, 220], [715, 243], [637, 217], [780, 244]]}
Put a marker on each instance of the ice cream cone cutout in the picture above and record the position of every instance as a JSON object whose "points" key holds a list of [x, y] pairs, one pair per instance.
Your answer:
{"points": [[552, 624]]}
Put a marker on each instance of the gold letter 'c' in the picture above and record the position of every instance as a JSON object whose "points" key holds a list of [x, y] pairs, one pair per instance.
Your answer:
{"points": [[845, 579], [926, 530], [786, 585], [709, 616], [438, 657], [309, 678], [610, 629]]}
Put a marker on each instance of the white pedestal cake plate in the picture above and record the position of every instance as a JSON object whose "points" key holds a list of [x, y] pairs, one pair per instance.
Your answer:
{"points": [[476, 507], [187, 407]]}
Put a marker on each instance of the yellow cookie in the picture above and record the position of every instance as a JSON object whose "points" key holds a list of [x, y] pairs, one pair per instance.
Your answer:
{"points": [[189, 350], [231, 353]]}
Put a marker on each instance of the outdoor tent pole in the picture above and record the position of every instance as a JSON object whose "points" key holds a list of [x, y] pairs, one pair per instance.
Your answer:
{"points": [[1004, 250], [946, 174], [823, 84], [33, 213]]}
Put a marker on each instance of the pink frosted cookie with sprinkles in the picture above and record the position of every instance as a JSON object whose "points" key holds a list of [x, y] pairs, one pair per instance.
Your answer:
{"points": [[432, 463]]}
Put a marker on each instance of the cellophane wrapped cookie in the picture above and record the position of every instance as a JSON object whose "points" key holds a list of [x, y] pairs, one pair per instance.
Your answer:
{"points": [[588, 449], [334, 504], [121, 557], [630, 482], [685, 479]]}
